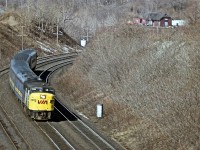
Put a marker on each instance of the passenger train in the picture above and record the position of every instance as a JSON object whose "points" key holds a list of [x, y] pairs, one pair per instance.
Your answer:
{"points": [[36, 96]]}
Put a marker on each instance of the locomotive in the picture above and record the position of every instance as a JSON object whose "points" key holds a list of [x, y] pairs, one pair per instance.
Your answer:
{"points": [[36, 96]]}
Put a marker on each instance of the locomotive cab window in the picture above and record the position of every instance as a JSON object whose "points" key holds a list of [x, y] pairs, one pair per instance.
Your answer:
{"points": [[48, 90], [33, 90]]}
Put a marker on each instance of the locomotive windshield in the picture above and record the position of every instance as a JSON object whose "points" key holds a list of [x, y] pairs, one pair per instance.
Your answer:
{"points": [[42, 89]]}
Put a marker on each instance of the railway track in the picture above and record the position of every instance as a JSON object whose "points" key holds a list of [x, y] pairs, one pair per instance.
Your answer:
{"points": [[71, 131], [57, 139], [66, 130], [89, 137], [56, 56], [45, 62], [53, 134], [4, 71], [52, 57], [11, 137], [9, 132]]}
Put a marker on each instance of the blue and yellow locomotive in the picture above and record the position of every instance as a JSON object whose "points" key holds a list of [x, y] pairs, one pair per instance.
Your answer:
{"points": [[36, 97]]}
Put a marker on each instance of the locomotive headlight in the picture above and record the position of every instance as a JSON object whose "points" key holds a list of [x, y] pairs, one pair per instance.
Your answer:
{"points": [[42, 96]]}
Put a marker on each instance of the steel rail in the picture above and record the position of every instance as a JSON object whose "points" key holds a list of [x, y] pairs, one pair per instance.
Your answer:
{"points": [[13, 133], [56, 131], [79, 130], [44, 62], [66, 63], [86, 126], [56, 55], [13, 141], [64, 139], [4, 71], [57, 147], [63, 65], [41, 64], [58, 66], [7, 135]]}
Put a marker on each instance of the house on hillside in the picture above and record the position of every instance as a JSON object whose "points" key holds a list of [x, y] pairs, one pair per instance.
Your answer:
{"points": [[158, 19], [178, 22], [137, 21]]}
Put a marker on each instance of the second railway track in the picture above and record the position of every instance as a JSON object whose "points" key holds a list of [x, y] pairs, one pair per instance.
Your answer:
{"points": [[70, 129], [11, 131], [66, 130], [4, 71]]}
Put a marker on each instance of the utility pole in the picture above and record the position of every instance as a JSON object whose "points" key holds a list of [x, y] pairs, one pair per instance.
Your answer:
{"points": [[22, 35], [57, 32]]}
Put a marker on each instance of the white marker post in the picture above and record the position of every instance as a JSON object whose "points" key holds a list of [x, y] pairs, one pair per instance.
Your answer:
{"points": [[83, 42], [99, 110]]}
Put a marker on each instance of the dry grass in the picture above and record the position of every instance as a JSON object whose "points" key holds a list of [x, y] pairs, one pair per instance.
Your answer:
{"points": [[150, 80]]}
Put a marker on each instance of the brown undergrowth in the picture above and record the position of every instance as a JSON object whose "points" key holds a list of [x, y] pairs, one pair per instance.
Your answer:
{"points": [[148, 82]]}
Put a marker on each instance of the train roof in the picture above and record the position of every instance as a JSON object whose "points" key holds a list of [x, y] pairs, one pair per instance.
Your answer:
{"points": [[20, 66], [24, 55]]}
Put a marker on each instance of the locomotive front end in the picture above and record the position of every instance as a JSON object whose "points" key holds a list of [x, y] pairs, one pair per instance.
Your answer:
{"points": [[41, 103]]}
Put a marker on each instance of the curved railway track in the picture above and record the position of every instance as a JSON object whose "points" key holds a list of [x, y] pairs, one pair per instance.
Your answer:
{"points": [[9, 132], [4, 71], [66, 130], [48, 59], [10, 135], [76, 128], [89, 137], [55, 56]]}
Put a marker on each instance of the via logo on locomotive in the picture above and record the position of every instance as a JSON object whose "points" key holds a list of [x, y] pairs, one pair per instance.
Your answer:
{"points": [[42, 99], [42, 102]]}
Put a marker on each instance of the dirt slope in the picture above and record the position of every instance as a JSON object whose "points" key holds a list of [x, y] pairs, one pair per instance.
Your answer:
{"points": [[11, 39]]}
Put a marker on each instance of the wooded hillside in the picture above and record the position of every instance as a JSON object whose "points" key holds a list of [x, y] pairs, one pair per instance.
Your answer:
{"points": [[147, 79]]}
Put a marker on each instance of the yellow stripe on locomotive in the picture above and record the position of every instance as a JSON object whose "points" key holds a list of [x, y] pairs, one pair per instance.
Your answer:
{"points": [[41, 102], [12, 83]]}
